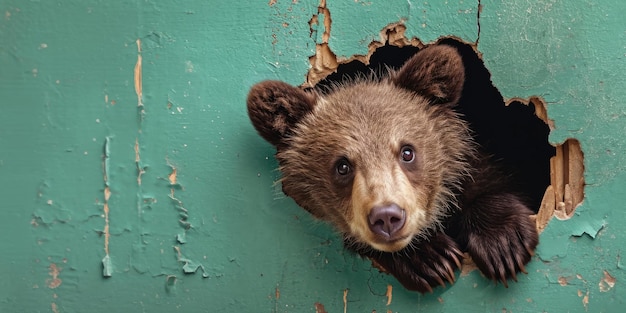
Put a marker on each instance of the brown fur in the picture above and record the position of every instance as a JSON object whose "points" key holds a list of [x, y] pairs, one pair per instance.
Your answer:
{"points": [[449, 195]]}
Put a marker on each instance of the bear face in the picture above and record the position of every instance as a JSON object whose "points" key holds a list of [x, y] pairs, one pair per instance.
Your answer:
{"points": [[377, 160], [389, 164], [379, 185]]}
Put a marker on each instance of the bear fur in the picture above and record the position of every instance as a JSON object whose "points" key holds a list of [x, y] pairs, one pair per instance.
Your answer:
{"points": [[395, 169]]}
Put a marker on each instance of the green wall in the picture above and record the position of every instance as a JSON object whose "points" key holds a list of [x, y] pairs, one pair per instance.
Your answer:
{"points": [[132, 181]]}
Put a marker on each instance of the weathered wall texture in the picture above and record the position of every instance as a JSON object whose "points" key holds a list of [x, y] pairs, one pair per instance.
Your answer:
{"points": [[131, 179]]}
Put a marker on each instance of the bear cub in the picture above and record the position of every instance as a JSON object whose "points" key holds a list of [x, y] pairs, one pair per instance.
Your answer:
{"points": [[391, 165]]}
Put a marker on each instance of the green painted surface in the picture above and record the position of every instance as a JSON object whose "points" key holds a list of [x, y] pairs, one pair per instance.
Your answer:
{"points": [[221, 236]]}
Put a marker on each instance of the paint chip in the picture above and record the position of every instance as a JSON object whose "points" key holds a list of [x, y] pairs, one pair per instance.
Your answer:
{"points": [[140, 169], [607, 282], [54, 281], [170, 283], [188, 67], [586, 301], [172, 176], [107, 266], [389, 294], [319, 308], [181, 238]]}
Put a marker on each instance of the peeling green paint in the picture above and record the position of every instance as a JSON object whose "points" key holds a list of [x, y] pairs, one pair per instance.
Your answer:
{"points": [[73, 115], [107, 266]]}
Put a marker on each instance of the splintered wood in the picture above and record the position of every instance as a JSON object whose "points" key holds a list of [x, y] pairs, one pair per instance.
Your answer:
{"points": [[566, 190]]}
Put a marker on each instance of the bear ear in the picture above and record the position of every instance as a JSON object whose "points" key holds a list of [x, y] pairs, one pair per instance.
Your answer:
{"points": [[436, 72], [275, 107]]}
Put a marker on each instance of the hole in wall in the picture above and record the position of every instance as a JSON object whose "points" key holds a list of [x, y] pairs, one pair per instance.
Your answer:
{"points": [[515, 132]]}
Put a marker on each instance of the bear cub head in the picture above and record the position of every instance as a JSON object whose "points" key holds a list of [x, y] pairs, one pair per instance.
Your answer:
{"points": [[382, 160]]}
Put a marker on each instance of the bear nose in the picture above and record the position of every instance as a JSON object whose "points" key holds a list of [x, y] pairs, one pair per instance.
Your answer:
{"points": [[386, 220]]}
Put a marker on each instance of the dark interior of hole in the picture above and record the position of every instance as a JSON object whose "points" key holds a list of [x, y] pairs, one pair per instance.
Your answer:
{"points": [[512, 134]]}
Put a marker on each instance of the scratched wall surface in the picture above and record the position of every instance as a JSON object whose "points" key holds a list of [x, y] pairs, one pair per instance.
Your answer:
{"points": [[132, 180]]}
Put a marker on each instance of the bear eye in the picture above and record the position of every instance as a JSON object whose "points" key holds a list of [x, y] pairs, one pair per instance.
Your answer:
{"points": [[407, 154], [343, 167]]}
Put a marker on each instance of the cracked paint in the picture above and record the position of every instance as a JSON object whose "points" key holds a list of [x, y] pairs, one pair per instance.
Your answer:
{"points": [[183, 212], [142, 201], [107, 266], [189, 266], [137, 75], [140, 169]]}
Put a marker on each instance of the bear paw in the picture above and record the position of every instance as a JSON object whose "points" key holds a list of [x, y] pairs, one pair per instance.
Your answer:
{"points": [[423, 265], [501, 251]]}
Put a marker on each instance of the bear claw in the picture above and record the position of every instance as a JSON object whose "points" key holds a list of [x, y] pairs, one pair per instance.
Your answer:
{"points": [[426, 264]]}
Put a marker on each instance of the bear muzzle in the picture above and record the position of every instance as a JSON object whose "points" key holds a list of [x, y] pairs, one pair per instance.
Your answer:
{"points": [[386, 221]]}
